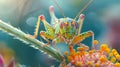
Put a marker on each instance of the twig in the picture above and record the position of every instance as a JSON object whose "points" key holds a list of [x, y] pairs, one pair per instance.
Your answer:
{"points": [[30, 41]]}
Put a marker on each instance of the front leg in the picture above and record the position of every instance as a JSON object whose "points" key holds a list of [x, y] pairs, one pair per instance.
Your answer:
{"points": [[46, 36], [36, 29], [47, 26], [81, 37]]}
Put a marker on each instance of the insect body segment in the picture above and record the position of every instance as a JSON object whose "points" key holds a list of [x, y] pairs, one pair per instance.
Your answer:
{"points": [[65, 29], [68, 28]]}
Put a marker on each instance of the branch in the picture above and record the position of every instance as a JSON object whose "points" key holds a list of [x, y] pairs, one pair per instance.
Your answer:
{"points": [[30, 41]]}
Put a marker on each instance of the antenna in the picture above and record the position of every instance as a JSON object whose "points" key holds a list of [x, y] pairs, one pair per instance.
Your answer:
{"points": [[59, 8], [83, 9]]}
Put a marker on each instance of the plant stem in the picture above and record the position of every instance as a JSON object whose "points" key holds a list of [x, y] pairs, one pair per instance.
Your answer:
{"points": [[30, 41]]}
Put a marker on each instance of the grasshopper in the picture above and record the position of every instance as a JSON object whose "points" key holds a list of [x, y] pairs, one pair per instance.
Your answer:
{"points": [[65, 29]]}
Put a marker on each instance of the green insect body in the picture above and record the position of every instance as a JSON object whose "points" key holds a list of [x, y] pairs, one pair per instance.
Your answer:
{"points": [[62, 30]]}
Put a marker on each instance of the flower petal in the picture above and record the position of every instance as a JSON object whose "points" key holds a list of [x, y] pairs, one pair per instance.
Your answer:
{"points": [[1, 61], [12, 63]]}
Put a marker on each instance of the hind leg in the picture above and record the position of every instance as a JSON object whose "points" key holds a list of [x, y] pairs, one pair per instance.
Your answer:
{"points": [[81, 37]]}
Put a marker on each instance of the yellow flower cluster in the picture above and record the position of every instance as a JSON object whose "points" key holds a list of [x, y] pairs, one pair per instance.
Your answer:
{"points": [[84, 57]]}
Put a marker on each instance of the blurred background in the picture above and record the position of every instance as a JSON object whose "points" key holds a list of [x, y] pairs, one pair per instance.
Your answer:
{"points": [[102, 17]]}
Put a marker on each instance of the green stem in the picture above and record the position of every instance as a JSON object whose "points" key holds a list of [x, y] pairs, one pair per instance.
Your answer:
{"points": [[30, 41]]}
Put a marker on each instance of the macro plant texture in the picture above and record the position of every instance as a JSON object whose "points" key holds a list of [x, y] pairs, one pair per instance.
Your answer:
{"points": [[67, 30]]}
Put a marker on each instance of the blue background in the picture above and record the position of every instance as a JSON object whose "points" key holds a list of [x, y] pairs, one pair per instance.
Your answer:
{"points": [[23, 14]]}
